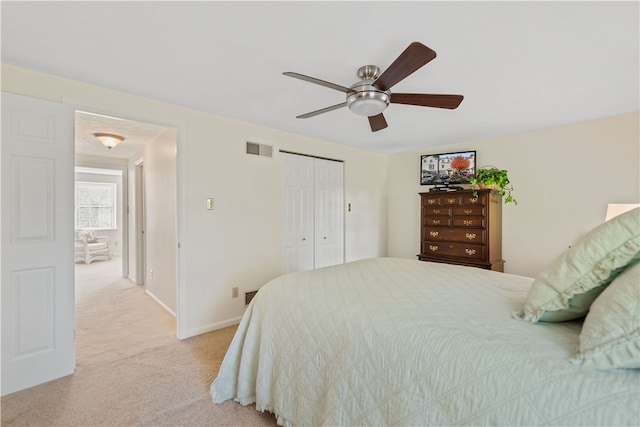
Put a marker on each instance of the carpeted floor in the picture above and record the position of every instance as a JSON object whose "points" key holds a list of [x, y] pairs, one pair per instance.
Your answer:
{"points": [[130, 368]]}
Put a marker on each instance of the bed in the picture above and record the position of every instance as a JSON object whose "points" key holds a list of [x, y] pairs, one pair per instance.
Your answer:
{"points": [[389, 341]]}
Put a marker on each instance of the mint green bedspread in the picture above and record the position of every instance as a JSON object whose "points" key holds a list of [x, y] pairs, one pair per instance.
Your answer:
{"points": [[389, 341]]}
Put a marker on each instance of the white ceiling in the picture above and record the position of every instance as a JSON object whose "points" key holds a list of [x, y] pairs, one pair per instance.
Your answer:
{"points": [[136, 135], [520, 65]]}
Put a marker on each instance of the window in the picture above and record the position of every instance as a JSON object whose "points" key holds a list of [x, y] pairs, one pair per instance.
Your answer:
{"points": [[95, 205]]}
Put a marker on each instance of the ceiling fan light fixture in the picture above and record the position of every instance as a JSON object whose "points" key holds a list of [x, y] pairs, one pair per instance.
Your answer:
{"points": [[109, 140], [372, 95], [368, 103]]}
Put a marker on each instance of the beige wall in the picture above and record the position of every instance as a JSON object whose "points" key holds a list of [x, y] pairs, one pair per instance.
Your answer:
{"points": [[161, 238], [563, 177], [238, 243]]}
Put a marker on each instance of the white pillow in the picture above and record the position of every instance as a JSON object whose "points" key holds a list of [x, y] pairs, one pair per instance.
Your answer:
{"points": [[610, 336]]}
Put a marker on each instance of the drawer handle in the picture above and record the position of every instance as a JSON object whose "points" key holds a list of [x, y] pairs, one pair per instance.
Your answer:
{"points": [[470, 236], [434, 233], [436, 221], [470, 251], [451, 201], [431, 201], [467, 222], [473, 200], [468, 211], [436, 211], [433, 248]]}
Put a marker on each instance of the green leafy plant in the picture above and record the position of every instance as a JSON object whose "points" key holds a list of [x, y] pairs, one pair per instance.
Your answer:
{"points": [[493, 177]]}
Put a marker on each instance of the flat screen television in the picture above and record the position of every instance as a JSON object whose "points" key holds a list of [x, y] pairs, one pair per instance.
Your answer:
{"points": [[447, 170]]}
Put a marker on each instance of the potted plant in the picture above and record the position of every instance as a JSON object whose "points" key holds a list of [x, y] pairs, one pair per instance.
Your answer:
{"points": [[494, 178]]}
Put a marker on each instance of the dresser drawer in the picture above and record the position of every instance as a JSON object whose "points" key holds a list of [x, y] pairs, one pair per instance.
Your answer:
{"points": [[437, 234], [428, 201], [459, 250], [470, 199], [436, 211], [442, 221], [450, 199], [469, 222], [469, 211]]}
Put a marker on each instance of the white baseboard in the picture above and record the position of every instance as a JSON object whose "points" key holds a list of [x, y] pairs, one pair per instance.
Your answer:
{"points": [[163, 305], [212, 327]]}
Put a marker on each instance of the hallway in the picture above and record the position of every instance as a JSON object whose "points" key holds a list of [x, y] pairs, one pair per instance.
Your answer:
{"points": [[114, 317]]}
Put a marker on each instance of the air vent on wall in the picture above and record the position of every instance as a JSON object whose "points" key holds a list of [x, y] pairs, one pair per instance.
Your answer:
{"points": [[259, 149], [248, 296]]}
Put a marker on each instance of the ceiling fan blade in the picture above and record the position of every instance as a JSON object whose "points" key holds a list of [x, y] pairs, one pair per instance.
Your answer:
{"points": [[377, 122], [413, 57], [318, 81], [427, 100], [323, 110]]}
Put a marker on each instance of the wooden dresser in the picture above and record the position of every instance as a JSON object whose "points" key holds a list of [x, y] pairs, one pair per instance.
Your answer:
{"points": [[458, 227]]}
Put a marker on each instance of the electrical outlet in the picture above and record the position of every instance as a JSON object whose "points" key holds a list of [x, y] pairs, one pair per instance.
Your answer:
{"points": [[234, 292], [151, 273]]}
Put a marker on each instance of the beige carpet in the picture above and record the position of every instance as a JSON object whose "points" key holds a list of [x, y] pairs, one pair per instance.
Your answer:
{"points": [[130, 368]]}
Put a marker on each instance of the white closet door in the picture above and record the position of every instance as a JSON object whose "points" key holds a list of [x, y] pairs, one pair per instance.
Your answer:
{"points": [[298, 213], [329, 213], [38, 303]]}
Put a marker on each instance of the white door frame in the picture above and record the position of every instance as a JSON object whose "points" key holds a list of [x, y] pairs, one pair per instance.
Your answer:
{"points": [[139, 207], [181, 170]]}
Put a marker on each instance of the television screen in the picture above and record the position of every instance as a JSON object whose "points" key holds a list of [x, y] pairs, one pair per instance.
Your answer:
{"points": [[447, 168]]}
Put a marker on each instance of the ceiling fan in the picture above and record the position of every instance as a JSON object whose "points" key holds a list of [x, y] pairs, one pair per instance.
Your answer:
{"points": [[371, 95]]}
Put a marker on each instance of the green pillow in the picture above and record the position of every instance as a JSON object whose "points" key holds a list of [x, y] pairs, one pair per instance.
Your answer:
{"points": [[610, 336], [566, 289]]}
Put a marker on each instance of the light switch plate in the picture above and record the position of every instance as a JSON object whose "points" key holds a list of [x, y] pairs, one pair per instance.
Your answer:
{"points": [[210, 204]]}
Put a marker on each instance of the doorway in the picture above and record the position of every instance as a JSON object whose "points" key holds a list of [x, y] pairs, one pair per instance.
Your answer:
{"points": [[157, 145]]}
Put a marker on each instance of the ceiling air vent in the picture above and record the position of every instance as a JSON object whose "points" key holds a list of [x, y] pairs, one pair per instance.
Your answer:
{"points": [[259, 149]]}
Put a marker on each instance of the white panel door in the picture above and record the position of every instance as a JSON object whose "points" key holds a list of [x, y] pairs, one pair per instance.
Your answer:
{"points": [[298, 213], [329, 213], [38, 304]]}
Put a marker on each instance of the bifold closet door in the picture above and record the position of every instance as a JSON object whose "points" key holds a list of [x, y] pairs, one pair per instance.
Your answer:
{"points": [[298, 213], [328, 213], [313, 213]]}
